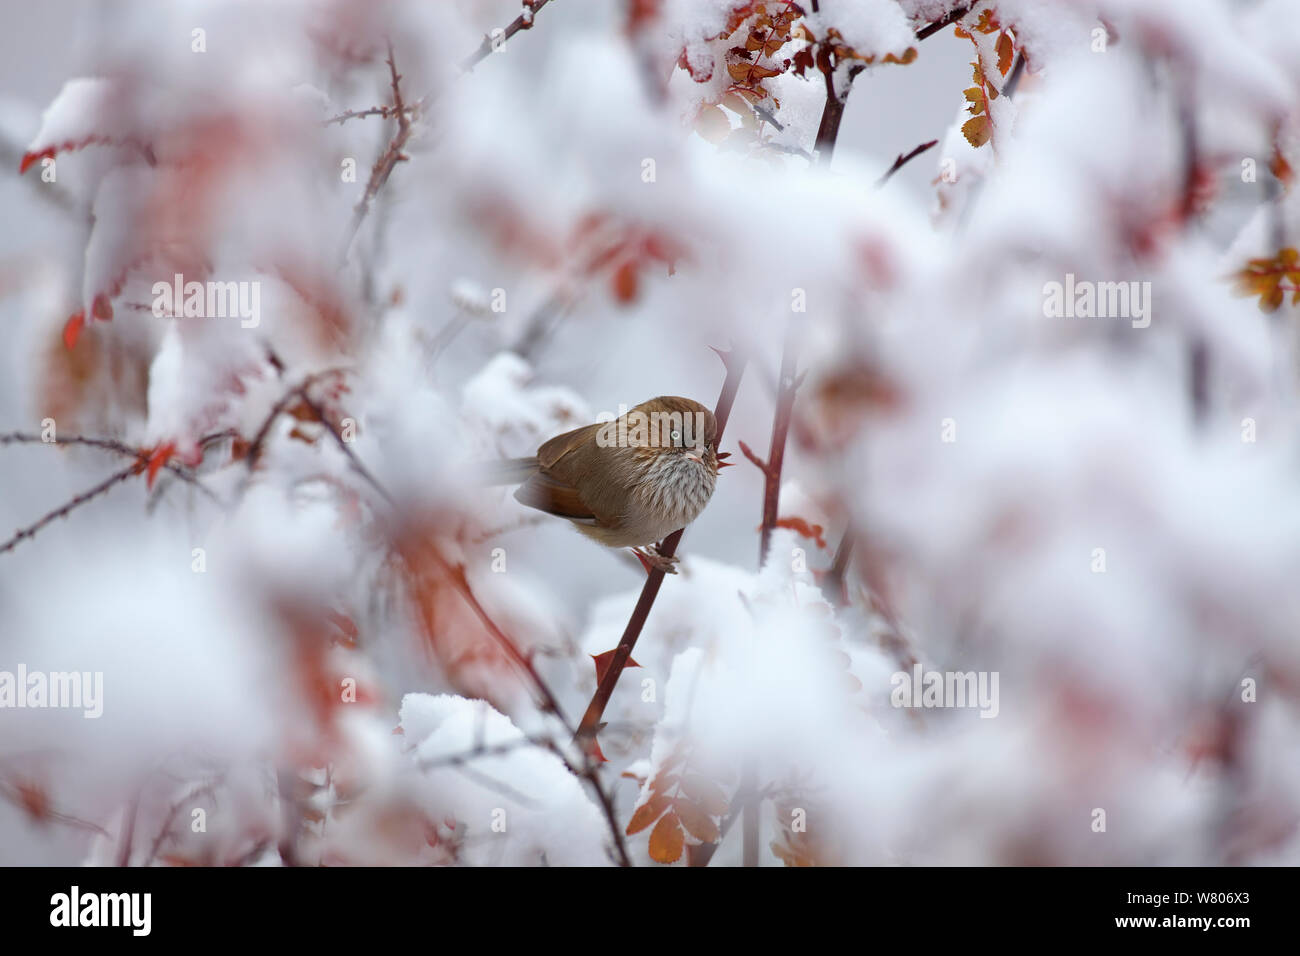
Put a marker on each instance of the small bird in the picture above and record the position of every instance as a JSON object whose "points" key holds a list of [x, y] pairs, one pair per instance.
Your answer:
{"points": [[627, 483]]}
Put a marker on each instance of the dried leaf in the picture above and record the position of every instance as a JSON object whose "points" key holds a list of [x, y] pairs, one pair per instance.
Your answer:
{"points": [[712, 124]]}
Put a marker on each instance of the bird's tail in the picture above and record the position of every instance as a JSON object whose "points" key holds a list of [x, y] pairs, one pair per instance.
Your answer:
{"points": [[507, 471]]}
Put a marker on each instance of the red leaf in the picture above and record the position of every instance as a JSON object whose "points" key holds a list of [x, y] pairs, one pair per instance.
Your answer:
{"points": [[603, 662], [159, 458], [72, 329]]}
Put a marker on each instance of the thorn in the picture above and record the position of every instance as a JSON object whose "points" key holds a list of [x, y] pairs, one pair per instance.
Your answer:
{"points": [[762, 465]]}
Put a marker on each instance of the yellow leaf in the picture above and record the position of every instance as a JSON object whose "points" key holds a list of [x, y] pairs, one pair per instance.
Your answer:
{"points": [[667, 840], [977, 130]]}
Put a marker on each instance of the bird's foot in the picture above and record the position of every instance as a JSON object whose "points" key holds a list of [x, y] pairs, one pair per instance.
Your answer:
{"points": [[652, 560]]}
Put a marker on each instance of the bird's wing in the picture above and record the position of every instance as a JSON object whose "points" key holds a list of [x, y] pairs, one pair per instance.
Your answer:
{"points": [[563, 466], [556, 448], [547, 493]]}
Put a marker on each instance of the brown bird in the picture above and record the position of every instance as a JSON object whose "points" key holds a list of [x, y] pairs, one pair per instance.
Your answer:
{"points": [[628, 483]]}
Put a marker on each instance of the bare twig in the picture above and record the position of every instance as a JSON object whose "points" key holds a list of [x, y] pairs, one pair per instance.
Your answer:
{"points": [[522, 22], [107, 444], [903, 159], [835, 588], [386, 112], [587, 729], [386, 163], [63, 511]]}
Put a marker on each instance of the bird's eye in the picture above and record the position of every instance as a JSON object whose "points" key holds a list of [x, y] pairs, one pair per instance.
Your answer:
{"points": [[676, 436]]}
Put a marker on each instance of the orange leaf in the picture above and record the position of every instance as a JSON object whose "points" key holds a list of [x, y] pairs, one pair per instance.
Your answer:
{"points": [[699, 823], [667, 839], [1006, 50], [603, 661], [647, 813], [72, 329]]}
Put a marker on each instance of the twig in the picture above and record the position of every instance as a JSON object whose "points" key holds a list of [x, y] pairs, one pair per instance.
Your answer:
{"points": [[734, 362], [387, 112], [835, 587], [165, 831], [128, 837], [789, 384], [62, 512], [107, 444], [947, 20], [522, 22], [17, 794], [903, 159], [590, 769], [771, 469], [393, 155]]}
